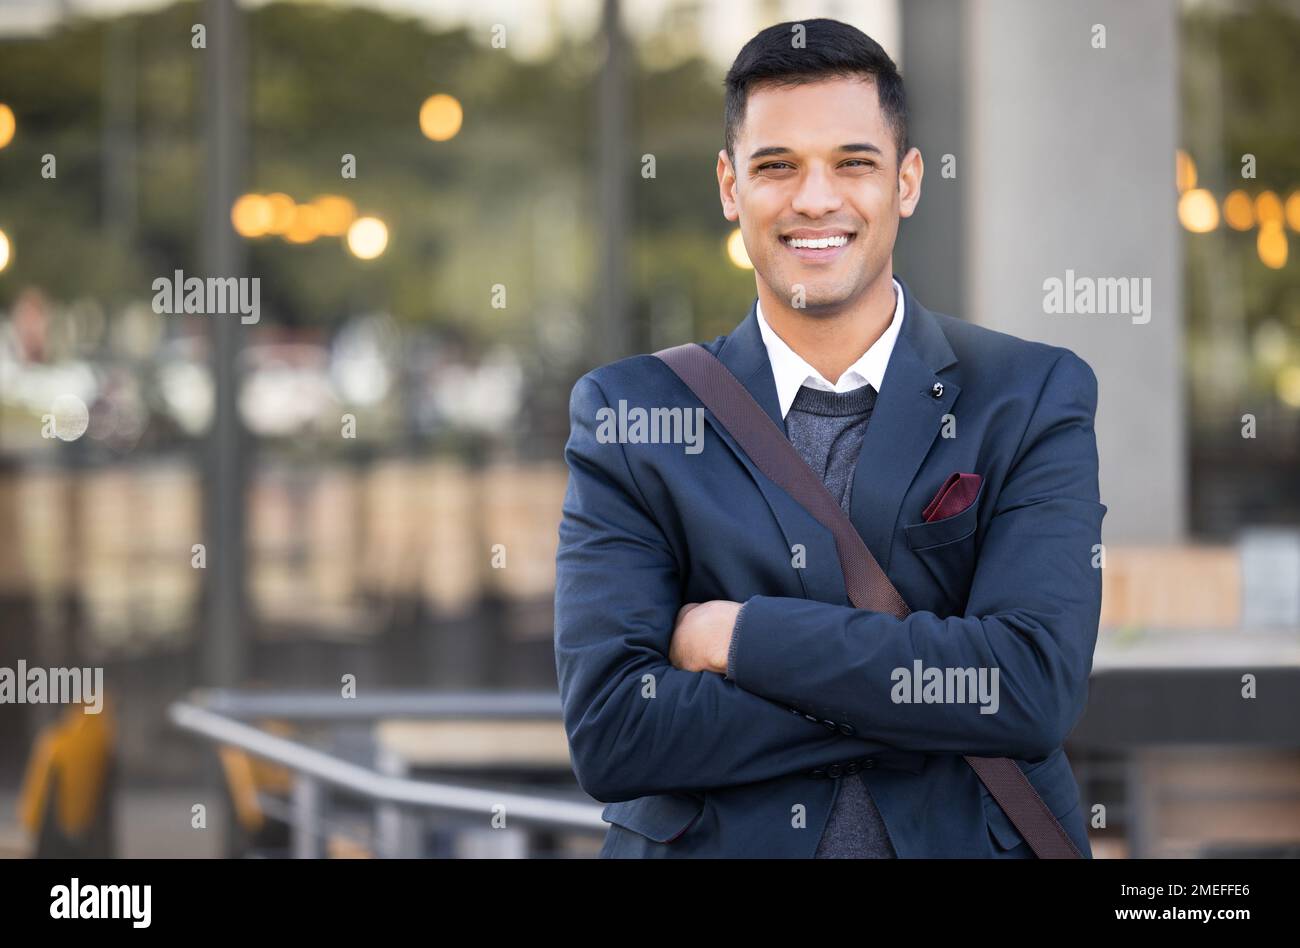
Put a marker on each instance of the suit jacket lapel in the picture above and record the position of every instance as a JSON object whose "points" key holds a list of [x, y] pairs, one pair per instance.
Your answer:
{"points": [[744, 354], [907, 418], [904, 423]]}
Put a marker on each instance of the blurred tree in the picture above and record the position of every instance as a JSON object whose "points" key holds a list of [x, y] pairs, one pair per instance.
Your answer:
{"points": [[506, 201]]}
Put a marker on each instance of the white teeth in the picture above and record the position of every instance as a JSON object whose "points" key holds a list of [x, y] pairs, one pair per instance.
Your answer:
{"points": [[819, 244]]}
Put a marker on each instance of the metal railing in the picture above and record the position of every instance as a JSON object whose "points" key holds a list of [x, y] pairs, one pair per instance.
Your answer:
{"points": [[328, 706], [215, 715]]}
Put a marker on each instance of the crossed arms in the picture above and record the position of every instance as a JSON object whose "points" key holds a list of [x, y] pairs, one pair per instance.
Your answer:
{"points": [[638, 725]]}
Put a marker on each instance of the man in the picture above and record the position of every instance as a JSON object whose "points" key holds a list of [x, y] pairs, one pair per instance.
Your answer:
{"points": [[698, 605]]}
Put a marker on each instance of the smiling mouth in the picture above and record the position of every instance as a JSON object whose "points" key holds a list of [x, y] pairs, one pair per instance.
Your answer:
{"points": [[818, 248]]}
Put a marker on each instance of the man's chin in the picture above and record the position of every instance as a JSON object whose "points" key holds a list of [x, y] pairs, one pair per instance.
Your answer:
{"points": [[819, 303]]}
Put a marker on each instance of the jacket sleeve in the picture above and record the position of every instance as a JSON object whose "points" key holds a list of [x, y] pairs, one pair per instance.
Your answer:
{"points": [[1032, 613], [636, 725]]}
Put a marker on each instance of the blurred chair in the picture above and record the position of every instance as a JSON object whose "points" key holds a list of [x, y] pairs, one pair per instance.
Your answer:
{"points": [[67, 798], [252, 784], [259, 795]]}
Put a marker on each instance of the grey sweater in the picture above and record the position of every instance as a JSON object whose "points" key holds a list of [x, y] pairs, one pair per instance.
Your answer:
{"points": [[827, 429]]}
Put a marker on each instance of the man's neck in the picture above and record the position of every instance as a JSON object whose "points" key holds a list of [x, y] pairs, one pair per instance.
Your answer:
{"points": [[832, 343]]}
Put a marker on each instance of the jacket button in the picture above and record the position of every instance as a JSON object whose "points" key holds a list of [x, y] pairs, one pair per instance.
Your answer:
{"points": [[868, 763], [847, 730], [851, 767], [834, 770], [812, 717], [829, 725], [817, 773]]}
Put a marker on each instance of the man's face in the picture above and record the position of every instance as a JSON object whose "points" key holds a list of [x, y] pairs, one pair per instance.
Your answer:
{"points": [[818, 161]]}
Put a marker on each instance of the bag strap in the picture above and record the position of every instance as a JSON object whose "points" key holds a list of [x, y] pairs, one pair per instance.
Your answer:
{"points": [[866, 583]]}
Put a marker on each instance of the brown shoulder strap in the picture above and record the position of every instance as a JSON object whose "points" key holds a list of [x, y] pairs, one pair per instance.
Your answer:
{"points": [[866, 583]]}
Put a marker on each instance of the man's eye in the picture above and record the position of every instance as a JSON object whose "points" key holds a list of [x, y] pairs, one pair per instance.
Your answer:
{"points": [[772, 164], [861, 161]]}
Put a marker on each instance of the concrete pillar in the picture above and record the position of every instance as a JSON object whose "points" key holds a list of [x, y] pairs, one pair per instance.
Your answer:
{"points": [[930, 249], [1069, 165]]}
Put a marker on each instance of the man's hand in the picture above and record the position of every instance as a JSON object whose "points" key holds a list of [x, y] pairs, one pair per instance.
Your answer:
{"points": [[702, 635]]}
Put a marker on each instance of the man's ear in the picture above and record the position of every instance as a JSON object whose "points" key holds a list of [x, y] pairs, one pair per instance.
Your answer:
{"points": [[910, 173], [727, 187]]}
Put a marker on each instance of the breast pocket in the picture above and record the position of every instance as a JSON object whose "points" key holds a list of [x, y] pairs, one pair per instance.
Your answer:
{"points": [[947, 549]]}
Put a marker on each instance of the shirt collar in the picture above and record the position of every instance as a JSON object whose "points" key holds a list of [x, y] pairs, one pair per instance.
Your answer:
{"points": [[790, 371]]}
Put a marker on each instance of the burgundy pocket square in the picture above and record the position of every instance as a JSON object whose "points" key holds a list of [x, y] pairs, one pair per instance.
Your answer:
{"points": [[957, 493]]}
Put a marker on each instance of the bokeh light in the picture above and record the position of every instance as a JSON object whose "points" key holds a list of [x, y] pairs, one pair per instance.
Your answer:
{"points": [[1268, 208], [8, 124], [305, 226], [252, 215], [367, 237], [1184, 171], [736, 251], [1293, 211], [334, 214], [441, 117], [1239, 210], [1272, 245], [282, 207], [1198, 211], [71, 417]]}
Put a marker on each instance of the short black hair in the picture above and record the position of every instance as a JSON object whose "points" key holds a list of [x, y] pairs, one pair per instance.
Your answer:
{"points": [[832, 50]]}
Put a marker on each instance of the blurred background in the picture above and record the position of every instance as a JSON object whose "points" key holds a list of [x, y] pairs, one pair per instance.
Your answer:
{"points": [[314, 555]]}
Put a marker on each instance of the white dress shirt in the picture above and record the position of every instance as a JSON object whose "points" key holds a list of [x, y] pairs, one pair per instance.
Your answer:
{"points": [[791, 371]]}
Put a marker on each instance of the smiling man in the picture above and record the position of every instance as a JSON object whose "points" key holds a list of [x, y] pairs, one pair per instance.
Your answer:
{"points": [[725, 687]]}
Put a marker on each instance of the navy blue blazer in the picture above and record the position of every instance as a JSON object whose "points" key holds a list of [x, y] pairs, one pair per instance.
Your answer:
{"points": [[697, 764]]}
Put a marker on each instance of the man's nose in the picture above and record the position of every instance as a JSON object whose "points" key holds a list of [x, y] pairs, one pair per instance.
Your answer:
{"points": [[817, 194]]}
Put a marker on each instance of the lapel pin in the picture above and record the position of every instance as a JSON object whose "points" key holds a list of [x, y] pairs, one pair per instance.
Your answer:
{"points": [[937, 390]]}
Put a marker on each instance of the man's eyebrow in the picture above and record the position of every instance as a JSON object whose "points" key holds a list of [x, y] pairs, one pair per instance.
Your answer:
{"points": [[782, 150], [862, 146]]}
